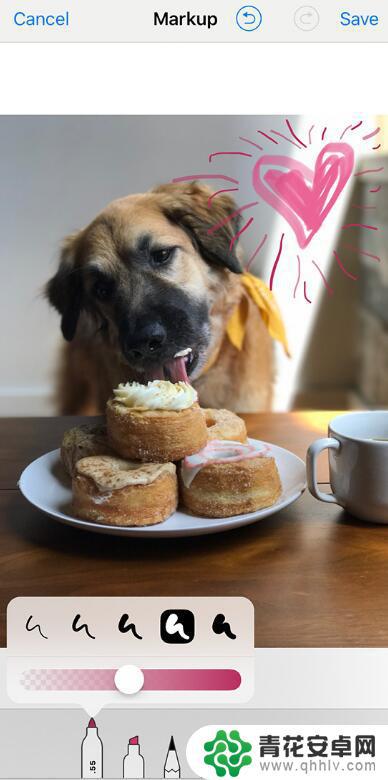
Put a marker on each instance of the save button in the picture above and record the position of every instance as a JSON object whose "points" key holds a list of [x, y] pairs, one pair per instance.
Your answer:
{"points": [[23, 19], [349, 19]]}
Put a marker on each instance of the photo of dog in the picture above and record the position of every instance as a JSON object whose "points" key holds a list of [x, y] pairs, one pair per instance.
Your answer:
{"points": [[170, 368], [146, 292]]}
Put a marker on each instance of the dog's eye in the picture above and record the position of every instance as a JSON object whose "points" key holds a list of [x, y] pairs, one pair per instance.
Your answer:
{"points": [[161, 256], [102, 290]]}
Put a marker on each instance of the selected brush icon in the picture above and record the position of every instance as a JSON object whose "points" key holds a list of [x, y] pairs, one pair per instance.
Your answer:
{"points": [[172, 767], [91, 752]]}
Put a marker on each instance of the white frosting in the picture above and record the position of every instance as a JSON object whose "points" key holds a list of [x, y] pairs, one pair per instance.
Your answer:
{"points": [[220, 451], [156, 395], [110, 473]]}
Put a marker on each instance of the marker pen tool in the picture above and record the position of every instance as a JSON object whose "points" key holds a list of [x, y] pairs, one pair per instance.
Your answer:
{"points": [[91, 752], [133, 766]]}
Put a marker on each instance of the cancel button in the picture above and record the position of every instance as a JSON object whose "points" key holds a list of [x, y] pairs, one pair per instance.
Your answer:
{"points": [[24, 19]]}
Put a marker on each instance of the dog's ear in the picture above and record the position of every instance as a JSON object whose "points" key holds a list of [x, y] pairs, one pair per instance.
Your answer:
{"points": [[64, 290], [210, 222]]}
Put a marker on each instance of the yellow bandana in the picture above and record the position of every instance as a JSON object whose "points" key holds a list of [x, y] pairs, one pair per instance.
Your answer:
{"points": [[265, 301]]}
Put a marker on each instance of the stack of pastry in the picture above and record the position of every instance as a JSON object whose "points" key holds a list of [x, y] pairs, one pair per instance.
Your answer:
{"points": [[229, 478], [160, 447]]}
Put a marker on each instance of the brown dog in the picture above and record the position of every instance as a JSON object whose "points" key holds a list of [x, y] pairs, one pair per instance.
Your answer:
{"points": [[146, 281]]}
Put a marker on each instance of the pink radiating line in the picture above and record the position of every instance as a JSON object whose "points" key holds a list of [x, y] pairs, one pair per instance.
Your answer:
{"points": [[248, 141], [359, 224], [357, 125], [217, 154], [376, 189], [323, 134], [374, 148], [274, 141], [294, 135], [275, 265], [369, 254], [154, 680], [368, 208], [256, 252], [325, 282], [343, 269], [240, 232], [349, 127], [310, 131], [305, 292], [370, 170], [205, 176], [231, 216], [362, 252], [219, 192], [371, 135], [298, 278], [286, 139]]}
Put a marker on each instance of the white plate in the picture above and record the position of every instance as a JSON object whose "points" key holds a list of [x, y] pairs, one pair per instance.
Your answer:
{"points": [[45, 485]]}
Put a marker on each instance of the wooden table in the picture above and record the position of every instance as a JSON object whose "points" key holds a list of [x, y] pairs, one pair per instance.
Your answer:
{"points": [[316, 576]]}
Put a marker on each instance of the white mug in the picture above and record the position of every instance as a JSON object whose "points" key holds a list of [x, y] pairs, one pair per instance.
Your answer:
{"points": [[358, 464]]}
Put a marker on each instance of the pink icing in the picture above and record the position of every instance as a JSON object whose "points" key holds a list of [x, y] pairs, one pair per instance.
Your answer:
{"points": [[218, 451]]}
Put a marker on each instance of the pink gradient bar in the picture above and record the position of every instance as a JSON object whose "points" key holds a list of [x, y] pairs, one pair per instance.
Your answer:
{"points": [[154, 680], [191, 680]]}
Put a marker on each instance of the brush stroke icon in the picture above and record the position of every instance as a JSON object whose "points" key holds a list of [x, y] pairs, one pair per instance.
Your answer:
{"points": [[83, 627], [124, 627], [221, 626], [177, 626], [36, 627]]}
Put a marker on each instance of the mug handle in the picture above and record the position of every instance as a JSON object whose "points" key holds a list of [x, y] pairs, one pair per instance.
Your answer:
{"points": [[313, 451]]}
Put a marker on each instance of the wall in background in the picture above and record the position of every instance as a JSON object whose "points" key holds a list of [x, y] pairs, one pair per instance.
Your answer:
{"points": [[373, 332]]}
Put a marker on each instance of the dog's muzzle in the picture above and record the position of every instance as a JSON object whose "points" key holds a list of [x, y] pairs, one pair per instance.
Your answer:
{"points": [[148, 352]]}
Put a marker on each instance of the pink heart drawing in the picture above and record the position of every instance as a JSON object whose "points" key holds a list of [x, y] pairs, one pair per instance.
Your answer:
{"points": [[302, 196]]}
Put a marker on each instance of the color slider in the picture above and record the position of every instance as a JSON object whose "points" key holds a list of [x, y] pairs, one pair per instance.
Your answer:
{"points": [[131, 679]]}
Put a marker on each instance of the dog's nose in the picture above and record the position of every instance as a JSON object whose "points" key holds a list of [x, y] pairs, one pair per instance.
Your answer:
{"points": [[147, 341]]}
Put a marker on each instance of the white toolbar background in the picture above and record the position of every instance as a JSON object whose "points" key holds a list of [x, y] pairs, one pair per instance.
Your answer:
{"points": [[120, 20]]}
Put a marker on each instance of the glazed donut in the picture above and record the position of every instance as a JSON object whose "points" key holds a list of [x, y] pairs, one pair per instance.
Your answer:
{"points": [[159, 422], [81, 442], [113, 491], [222, 424], [229, 478]]}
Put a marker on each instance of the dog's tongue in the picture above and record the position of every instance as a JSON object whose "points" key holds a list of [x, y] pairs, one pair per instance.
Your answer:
{"points": [[177, 369]]}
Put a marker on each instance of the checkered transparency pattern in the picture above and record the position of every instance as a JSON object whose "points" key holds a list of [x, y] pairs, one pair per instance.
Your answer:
{"points": [[69, 680]]}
